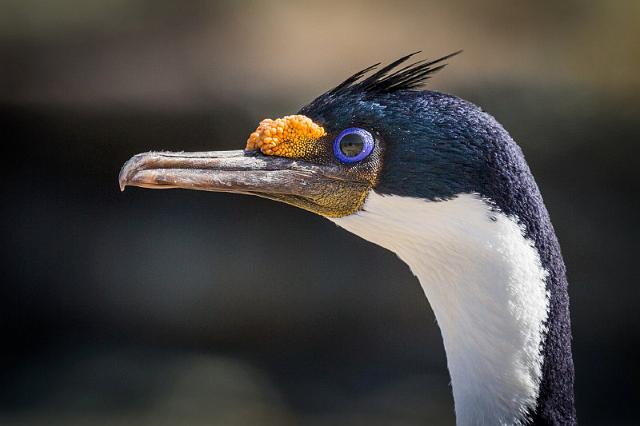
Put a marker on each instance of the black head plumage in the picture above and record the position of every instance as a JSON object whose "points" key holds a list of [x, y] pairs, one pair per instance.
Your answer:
{"points": [[436, 146], [387, 79]]}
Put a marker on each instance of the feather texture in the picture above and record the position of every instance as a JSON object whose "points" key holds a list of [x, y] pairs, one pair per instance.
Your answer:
{"points": [[389, 79]]}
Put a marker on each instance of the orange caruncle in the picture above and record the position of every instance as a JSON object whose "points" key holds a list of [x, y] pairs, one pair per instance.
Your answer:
{"points": [[292, 136]]}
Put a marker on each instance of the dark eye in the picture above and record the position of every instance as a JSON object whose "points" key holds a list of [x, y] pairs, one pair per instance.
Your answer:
{"points": [[353, 145]]}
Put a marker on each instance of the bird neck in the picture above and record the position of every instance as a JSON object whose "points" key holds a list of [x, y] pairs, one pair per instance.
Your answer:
{"points": [[486, 285]]}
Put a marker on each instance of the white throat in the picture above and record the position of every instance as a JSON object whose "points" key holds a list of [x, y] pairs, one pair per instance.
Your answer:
{"points": [[486, 286]]}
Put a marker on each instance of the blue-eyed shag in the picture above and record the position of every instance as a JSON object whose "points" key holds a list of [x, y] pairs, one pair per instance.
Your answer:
{"points": [[439, 182]]}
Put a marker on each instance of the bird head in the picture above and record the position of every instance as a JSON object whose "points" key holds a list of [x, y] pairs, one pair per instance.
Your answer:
{"points": [[372, 131], [442, 184]]}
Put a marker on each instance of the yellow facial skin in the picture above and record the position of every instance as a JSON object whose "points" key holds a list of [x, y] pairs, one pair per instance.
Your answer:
{"points": [[298, 137], [293, 136]]}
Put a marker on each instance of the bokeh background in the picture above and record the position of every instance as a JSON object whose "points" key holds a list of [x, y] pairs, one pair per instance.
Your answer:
{"points": [[167, 308]]}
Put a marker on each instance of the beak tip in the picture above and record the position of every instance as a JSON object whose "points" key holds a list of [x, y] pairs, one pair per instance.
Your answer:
{"points": [[128, 169], [122, 180], [132, 166]]}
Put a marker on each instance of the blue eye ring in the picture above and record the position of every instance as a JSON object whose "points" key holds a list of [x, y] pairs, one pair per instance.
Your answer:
{"points": [[339, 149]]}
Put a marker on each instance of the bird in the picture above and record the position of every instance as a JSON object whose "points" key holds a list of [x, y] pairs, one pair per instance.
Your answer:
{"points": [[439, 182]]}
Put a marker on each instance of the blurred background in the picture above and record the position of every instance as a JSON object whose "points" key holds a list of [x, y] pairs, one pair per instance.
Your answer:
{"points": [[165, 308]]}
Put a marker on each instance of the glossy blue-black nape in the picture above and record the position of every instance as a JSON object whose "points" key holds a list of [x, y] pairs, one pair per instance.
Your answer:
{"points": [[437, 146]]}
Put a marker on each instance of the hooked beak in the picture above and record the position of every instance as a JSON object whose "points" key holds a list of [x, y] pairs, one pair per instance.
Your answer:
{"points": [[296, 182]]}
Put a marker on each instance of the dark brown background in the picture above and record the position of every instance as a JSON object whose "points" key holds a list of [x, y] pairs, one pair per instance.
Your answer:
{"points": [[194, 308]]}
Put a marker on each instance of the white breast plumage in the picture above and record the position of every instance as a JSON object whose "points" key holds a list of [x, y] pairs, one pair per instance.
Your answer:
{"points": [[486, 285]]}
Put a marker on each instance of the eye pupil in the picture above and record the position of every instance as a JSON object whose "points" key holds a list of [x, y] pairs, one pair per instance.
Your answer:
{"points": [[351, 145]]}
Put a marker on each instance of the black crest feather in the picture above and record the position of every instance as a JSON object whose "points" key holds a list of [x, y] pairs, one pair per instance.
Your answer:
{"points": [[389, 79]]}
